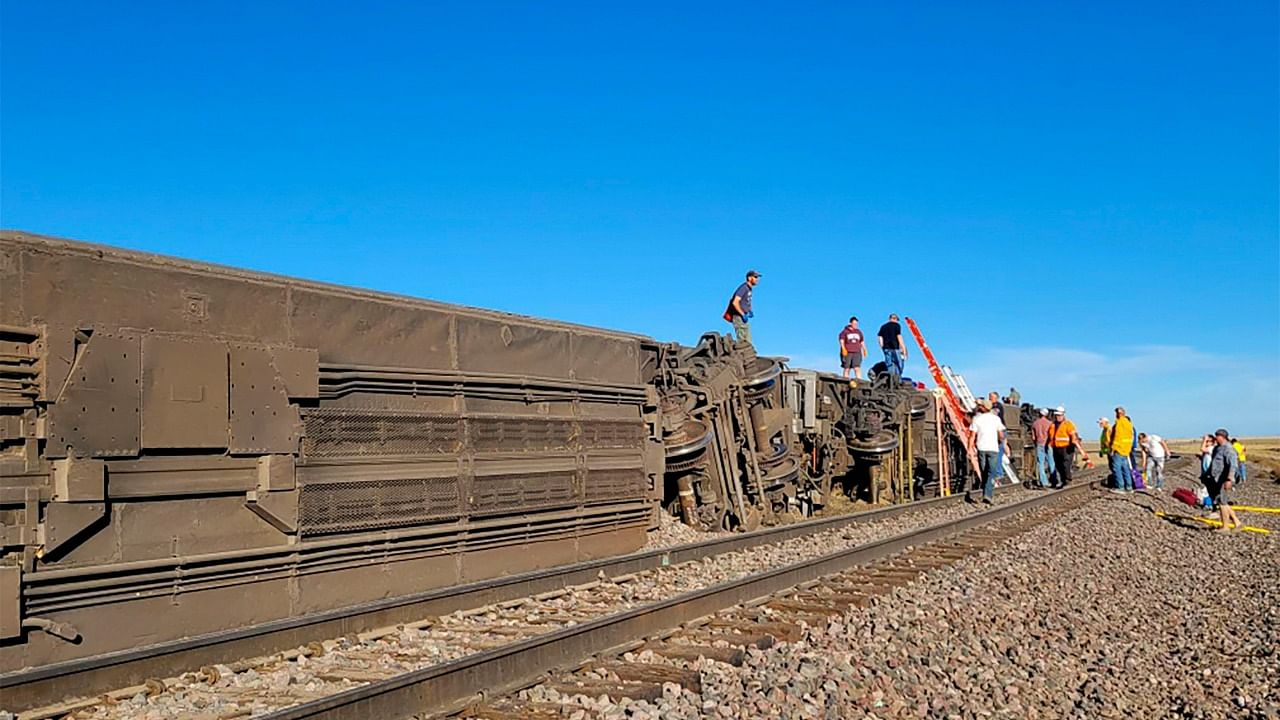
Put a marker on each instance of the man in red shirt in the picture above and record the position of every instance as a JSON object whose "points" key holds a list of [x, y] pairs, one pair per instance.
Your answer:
{"points": [[1040, 430], [852, 349]]}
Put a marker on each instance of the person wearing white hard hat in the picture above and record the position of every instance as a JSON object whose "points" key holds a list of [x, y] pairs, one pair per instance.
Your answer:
{"points": [[1065, 441]]}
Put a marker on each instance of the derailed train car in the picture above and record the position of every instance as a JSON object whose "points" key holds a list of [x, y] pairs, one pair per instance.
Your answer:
{"points": [[187, 448]]}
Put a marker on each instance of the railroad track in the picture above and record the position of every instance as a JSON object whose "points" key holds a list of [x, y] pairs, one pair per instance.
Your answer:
{"points": [[504, 640], [43, 692], [663, 663]]}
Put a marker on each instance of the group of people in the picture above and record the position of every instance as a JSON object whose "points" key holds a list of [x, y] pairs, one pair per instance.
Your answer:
{"points": [[1209, 445], [1136, 459], [1056, 442], [1222, 465], [853, 348]]}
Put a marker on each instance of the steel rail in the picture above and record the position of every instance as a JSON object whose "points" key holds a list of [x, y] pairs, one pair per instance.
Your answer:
{"points": [[50, 684], [452, 686]]}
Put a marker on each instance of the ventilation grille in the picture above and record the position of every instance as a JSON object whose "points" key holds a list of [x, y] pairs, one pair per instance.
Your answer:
{"points": [[621, 434], [615, 484], [489, 434], [356, 433], [492, 494], [19, 372], [343, 432], [370, 504]]}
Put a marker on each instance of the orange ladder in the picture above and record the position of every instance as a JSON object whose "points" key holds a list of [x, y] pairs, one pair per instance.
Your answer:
{"points": [[950, 403]]}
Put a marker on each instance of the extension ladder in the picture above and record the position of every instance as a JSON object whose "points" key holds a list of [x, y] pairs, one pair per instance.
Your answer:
{"points": [[955, 411], [957, 400], [970, 402], [967, 400]]}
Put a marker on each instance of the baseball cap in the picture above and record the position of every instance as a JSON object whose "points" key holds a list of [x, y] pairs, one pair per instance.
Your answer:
{"points": [[753, 273], [1222, 432]]}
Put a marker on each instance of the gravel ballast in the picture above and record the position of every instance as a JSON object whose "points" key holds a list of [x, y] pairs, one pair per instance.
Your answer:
{"points": [[347, 662], [1106, 612]]}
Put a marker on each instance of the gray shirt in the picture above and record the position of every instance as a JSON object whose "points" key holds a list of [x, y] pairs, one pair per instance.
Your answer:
{"points": [[1225, 463]]}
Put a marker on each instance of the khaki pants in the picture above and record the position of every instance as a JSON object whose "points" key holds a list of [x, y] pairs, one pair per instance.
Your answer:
{"points": [[741, 329]]}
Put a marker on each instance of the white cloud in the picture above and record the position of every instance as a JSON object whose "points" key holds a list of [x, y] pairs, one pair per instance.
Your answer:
{"points": [[1174, 389]]}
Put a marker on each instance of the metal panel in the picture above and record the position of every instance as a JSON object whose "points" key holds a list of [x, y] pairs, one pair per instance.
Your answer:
{"points": [[597, 358], [97, 414], [10, 601], [73, 288], [300, 370], [357, 331], [491, 346], [184, 393], [262, 420], [79, 480], [65, 522], [11, 310]]}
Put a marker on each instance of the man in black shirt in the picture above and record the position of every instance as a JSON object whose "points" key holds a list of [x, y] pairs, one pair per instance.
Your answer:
{"points": [[895, 351]]}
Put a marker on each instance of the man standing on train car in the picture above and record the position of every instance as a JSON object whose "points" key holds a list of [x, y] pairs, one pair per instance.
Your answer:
{"points": [[852, 348], [739, 310], [895, 351]]}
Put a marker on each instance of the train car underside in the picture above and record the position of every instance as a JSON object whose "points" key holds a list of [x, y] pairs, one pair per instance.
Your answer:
{"points": [[186, 449]]}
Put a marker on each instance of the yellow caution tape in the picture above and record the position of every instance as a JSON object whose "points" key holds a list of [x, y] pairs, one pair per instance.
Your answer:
{"points": [[1210, 521], [1248, 508]]}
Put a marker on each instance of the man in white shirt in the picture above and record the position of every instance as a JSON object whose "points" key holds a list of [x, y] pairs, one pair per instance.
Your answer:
{"points": [[986, 433], [1154, 453]]}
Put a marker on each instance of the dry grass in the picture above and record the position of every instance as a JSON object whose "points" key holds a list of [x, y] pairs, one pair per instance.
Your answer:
{"points": [[1262, 452]]}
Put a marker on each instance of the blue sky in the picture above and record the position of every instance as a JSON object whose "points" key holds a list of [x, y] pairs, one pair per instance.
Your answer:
{"points": [[1079, 199]]}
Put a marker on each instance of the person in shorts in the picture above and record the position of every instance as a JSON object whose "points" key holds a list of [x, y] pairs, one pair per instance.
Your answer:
{"points": [[1221, 477], [852, 349]]}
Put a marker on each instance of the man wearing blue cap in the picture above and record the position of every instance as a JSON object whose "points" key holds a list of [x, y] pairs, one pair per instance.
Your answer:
{"points": [[739, 311]]}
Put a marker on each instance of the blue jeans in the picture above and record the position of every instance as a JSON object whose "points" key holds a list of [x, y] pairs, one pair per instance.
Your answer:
{"points": [[1240, 474], [987, 463], [893, 360], [1123, 471], [1000, 461], [1044, 464]]}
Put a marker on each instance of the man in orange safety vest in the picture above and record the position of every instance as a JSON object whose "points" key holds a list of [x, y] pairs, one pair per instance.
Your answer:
{"points": [[1065, 440]]}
